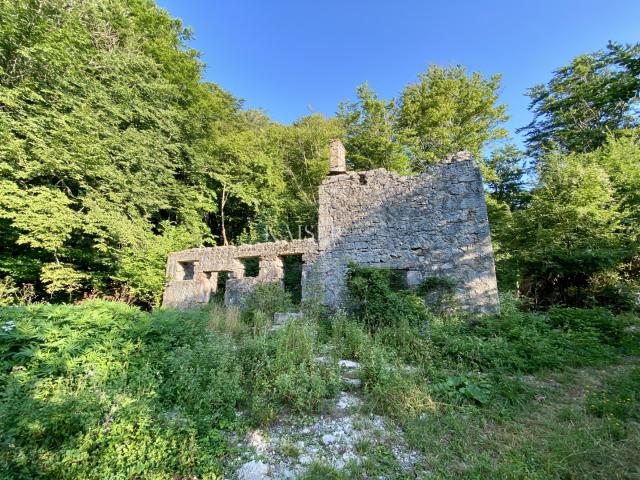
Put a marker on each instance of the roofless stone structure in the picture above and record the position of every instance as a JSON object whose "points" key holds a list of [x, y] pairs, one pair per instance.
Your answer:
{"points": [[433, 224]]}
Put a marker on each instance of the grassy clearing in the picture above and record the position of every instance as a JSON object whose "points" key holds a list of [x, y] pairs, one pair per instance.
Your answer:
{"points": [[553, 435], [515, 395], [103, 390]]}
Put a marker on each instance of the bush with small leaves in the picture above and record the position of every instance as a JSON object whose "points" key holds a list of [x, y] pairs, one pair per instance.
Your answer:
{"points": [[103, 390]]}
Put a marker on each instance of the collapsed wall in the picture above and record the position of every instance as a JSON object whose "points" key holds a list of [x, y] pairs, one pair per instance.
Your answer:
{"points": [[429, 225], [196, 275], [433, 224]]}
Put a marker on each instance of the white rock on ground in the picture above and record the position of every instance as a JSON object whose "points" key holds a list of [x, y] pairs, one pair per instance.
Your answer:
{"points": [[348, 364], [254, 470], [328, 439], [354, 382], [255, 439], [346, 400]]}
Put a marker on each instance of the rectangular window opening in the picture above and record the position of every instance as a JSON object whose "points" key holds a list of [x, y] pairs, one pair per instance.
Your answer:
{"points": [[251, 266], [398, 279], [186, 270], [292, 269], [221, 285]]}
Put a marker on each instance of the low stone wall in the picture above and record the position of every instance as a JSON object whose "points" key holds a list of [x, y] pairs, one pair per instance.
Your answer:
{"points": [[193, 274]]}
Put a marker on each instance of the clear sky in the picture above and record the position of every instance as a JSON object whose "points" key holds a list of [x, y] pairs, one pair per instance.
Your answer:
{"points": [[292, 58]]}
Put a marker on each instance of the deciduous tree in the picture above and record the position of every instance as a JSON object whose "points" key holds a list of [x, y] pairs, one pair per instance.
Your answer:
{"points": [[595, 95]]}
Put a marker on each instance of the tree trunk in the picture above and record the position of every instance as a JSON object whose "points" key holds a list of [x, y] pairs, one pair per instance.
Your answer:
{"points": [[223, 201]]}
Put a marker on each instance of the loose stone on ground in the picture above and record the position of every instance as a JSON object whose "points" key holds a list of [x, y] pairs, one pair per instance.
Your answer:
{"points": [[288, 447]]}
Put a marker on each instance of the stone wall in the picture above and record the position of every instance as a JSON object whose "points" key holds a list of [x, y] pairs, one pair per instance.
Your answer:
{"points": [[193, 274], [434, 224]]}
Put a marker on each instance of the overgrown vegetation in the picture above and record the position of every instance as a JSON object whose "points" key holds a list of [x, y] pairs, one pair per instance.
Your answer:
{"points": [[475, 351], [476, 395], [104, 390], [378, 304]]}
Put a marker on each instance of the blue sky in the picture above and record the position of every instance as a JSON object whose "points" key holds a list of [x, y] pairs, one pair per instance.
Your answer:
{"points": [[292, 58]]}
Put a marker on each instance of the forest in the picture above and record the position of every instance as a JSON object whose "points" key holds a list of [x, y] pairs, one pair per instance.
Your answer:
{"points": [[115, 151]]}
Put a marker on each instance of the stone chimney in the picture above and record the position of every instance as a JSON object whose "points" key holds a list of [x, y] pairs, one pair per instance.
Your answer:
{"points": [[337, 162], [457, 157]]}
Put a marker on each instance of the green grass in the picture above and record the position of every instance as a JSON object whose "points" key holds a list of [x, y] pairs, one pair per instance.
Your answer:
{"points": [[620, 397], [553, 436], [103, 390]]}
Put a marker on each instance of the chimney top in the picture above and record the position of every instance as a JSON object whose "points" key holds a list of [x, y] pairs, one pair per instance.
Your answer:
{"points": [[337, 162]]}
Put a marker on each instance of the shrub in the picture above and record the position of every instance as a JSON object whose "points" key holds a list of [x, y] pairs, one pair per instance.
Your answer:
{"points": [[600, 321], [528, 342], [349, 337], [203, 381], [269, 298], [389, 387], [411, 343], [618, 296], [103, 390], [312, 305], [262, 303], [373, 300], [464, 387], [439, 293], [511, 303], [12, 294]]}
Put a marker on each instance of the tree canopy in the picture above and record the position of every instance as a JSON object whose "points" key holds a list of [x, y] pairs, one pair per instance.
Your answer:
{"points": [[448, 111], [597, 94], [115, 151], [444, 112]]}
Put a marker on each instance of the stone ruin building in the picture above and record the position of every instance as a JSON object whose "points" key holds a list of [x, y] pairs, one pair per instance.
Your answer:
{"points": [[433, 224]]}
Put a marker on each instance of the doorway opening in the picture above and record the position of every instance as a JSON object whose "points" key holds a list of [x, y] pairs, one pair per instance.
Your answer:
{"points": [[221, 285], [292, 270]]}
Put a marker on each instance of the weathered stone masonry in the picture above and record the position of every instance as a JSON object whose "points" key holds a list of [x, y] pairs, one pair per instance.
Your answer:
{"points": [[433, 224], [193, 274]]}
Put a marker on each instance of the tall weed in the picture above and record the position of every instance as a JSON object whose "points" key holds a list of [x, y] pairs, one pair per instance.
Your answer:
{"points": [[283, 371]]}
